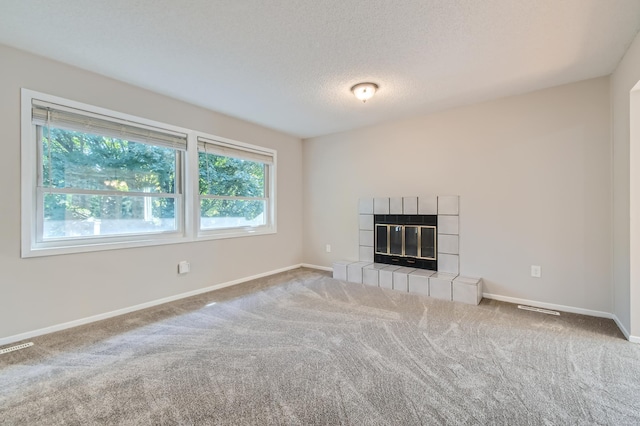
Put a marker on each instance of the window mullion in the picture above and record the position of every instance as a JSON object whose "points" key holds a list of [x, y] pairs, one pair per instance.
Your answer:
{"points": [[40, 163]]}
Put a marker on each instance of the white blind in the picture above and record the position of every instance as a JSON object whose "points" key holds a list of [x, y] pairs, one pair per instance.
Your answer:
{"points": [[225, 149], [46, 113]]}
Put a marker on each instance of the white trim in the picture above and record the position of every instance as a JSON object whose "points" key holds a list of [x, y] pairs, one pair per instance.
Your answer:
{"points": [[564, 308], [30, 247], [552, 306], [232, 143], [270, 227], [99, 317], [634, 207], [103, 245], [190, 186], [106, 315], [246, 231], [318, 267], [622, 327], [28, 177], [63, 102]]}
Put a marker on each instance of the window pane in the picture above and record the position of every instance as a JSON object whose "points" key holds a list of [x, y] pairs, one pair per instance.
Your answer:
{"points": [[78, 215], [222, 213], [87, 161], [230, 177]]}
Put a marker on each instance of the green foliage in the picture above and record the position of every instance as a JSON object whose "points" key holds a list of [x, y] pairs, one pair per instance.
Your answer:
{"points": [[230, 177], [91, 162]]}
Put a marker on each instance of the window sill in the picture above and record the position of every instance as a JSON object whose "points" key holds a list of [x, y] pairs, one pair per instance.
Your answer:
{"points": [[42, 251], [218, 234], [84, 247]]}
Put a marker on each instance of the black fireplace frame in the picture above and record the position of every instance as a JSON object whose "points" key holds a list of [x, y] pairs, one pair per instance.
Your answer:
{"points": [[407, 261]]}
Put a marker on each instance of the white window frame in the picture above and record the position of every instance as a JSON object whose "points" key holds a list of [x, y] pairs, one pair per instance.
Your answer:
{"points": [[187, 218], [270, 191]]}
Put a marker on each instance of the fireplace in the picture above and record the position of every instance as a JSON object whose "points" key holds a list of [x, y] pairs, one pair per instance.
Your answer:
{"points": [[421, 232], [406, 240]]}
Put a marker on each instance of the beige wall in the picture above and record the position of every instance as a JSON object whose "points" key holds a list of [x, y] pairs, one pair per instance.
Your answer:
{"points": [[533, 172], [41, 292], [534, 177], [626, 280]]}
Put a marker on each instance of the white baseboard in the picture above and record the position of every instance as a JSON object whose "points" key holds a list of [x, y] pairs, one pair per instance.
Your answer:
{"points": [[563, 308], [320, 268], [622, 328], [632, 339], [552, 306], [94, 318]]}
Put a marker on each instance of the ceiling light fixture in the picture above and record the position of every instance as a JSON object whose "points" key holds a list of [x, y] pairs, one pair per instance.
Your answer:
{"points": [[364, 91]]}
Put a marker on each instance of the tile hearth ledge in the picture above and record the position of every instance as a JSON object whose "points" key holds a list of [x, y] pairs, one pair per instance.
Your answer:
{"points": [[439, 285]]}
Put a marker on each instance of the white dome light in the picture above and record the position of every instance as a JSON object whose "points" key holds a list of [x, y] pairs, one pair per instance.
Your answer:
{"points": [[364, 91]]}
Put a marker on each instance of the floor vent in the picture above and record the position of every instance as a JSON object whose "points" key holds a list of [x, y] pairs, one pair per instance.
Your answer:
{"points": [[15, 348], [542, 311]]}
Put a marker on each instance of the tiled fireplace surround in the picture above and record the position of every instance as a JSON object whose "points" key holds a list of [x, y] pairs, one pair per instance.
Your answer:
{"points": [[446, 283]]}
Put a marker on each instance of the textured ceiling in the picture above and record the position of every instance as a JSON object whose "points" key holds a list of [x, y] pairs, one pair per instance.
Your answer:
{"points": [[289, 64]]}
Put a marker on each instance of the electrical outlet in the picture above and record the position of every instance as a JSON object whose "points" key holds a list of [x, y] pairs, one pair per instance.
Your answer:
{"points": [[536, 271], [328, 248], [184, 267]]}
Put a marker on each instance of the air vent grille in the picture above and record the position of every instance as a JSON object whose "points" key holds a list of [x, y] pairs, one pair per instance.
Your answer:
{"points": [[542, 311], [15, 348]]}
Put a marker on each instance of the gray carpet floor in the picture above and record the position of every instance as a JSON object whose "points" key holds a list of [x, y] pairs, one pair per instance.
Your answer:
{"points": [[302, 348]]}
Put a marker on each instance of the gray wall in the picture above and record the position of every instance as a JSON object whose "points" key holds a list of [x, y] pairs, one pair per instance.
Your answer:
{"points": [[534, 177], [41, 292]]}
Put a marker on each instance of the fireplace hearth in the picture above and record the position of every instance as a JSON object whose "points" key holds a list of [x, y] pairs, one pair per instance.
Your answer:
{"points": [[410, 233], [421, 232]]}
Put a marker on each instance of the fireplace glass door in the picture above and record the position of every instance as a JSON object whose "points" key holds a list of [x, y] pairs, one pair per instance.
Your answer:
{"points": [[382, 239], [406, 240], [427, 242], [411, 237], [395, 239]]}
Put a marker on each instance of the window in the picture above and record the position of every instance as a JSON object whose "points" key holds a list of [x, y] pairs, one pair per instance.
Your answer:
{"points": [[95, 179], [234, 185], [99, 178]]}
